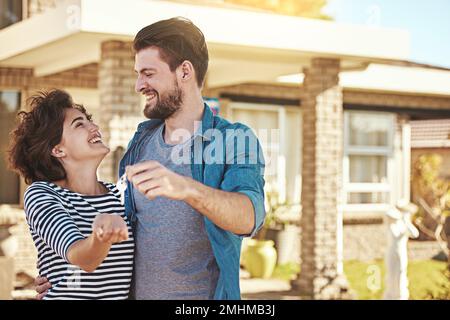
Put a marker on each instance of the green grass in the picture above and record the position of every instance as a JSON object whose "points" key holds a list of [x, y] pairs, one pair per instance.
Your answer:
{"points": [[367, 278], [286, 271]]}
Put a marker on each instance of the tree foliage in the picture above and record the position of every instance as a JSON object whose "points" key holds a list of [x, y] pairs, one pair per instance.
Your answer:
{"points": [[301, 8], [432, 193]]}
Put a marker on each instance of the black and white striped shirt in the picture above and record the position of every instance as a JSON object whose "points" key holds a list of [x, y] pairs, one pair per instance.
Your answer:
{"points": [[57, 218]]}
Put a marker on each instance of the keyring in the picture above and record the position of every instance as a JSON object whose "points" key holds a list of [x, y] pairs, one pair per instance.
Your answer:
{"points": [[122, 186]]}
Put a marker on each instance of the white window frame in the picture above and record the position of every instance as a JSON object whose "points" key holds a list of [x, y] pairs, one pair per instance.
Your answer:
{"points": [[282, 117], [388, 151], [25, 10]]}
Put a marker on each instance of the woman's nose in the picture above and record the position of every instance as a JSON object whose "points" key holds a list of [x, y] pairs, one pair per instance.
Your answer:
{"points": [[94, 127]]}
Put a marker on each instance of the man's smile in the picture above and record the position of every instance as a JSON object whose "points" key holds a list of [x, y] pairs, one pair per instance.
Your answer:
{"points": [[150, 95]]}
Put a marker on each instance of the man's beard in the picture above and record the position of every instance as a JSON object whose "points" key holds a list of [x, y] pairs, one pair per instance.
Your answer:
{"points": [[166, 105]]}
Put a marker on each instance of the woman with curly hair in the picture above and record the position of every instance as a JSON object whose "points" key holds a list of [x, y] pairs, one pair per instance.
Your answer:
{"points": [[83, 238]]}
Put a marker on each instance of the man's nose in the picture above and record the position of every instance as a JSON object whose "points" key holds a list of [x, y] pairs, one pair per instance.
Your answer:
{"points": [[140, 85]]}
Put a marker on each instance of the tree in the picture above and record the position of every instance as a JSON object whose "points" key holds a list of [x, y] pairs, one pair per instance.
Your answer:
{"points": [[300, 8], [432, 193]]}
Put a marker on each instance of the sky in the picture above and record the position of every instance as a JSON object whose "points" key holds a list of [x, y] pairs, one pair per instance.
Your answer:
{"points": [[428, 22]]}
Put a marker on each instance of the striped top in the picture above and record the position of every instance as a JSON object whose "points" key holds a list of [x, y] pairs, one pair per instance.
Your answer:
{"points": [[57, 218]]}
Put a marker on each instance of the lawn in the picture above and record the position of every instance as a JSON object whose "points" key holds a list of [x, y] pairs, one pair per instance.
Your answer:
{"points": [[367, 278]]}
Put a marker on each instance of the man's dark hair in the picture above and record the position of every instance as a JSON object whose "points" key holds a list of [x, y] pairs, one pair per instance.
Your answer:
{"points": [[37, 133], [177, 39]]}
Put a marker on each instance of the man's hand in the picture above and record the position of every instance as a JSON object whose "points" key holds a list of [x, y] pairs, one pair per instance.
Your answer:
{"points": [[109, 228], [154, 180], [41, 286], [230, 211]]}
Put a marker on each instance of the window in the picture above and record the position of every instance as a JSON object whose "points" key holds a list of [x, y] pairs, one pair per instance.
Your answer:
{"points": [[10, 12], [368, 169], [279, 130], [9, 182], [368, 159]]}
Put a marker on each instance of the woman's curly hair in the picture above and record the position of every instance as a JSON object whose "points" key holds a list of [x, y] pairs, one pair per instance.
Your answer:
{"points": [[37, 133]]}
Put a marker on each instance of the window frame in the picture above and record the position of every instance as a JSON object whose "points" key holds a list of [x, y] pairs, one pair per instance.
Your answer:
{"points": [[368, 187], [281, 110], [21, 182]]}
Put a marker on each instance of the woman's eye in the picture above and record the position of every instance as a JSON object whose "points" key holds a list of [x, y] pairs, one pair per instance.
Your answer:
{"points": [[79, 124]]}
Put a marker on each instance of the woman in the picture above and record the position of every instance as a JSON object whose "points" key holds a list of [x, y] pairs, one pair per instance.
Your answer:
{"points": [[84, 241]]}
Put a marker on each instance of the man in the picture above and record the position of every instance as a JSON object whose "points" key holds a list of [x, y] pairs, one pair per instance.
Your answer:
{"points": [[195, 186]]}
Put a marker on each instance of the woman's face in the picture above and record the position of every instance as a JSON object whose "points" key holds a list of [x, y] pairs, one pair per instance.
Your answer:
{"points": [[81, 139]]}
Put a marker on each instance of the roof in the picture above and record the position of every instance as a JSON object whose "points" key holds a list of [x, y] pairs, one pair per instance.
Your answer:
{"points": [[415, 78], [243, 45], [430, 133]]}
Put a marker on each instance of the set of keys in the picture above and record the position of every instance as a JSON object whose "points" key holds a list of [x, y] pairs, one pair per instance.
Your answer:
{"points": [[122, 186]]}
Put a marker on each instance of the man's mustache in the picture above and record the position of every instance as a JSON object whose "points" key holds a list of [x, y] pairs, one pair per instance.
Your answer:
{"points": [[148, 91]]}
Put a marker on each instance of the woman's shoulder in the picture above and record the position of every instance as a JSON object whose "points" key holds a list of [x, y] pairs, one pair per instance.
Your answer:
{"points": [[41, 192], [41, 187]]}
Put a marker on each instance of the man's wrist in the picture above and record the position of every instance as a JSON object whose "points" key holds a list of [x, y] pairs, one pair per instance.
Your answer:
{"points": [[194, 193]]}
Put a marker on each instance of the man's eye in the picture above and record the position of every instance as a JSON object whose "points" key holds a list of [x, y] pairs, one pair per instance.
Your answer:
{"points": [[149, 75]]}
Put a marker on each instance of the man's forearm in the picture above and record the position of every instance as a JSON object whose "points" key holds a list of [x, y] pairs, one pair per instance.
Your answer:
{"points": [[231, 211]]}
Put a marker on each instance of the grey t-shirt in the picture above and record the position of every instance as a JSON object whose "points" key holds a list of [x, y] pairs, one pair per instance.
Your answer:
{"points": [[173, 255]]}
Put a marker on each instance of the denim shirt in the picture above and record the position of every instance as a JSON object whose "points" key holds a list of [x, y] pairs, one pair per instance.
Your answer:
{"points": [[224, 169]]}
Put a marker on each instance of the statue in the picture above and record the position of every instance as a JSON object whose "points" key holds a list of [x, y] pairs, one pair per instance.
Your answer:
{"points": [[400, 229]]}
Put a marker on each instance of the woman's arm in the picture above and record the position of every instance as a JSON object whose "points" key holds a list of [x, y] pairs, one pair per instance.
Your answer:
{"points": [[89, 253], [48, 218]]}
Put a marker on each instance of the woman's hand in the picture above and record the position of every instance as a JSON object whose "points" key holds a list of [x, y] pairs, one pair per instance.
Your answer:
{"points": [[89, 253], [109, 228]]}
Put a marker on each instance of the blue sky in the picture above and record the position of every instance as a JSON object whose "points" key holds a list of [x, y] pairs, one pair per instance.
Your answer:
{"points": [[428, 22]]}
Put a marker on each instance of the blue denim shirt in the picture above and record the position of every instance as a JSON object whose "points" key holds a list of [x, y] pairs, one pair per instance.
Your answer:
{"points": [[216, 165]]}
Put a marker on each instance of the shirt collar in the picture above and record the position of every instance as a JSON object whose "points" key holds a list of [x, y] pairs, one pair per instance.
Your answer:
{"points": [[207, 122]]}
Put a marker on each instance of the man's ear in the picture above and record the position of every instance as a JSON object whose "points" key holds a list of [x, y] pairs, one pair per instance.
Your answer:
{"points": [[186, 70], [57, 152]]}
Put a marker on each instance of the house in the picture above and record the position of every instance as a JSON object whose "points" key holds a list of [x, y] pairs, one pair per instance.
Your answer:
{"points": [[340, 97], [432, 137]]}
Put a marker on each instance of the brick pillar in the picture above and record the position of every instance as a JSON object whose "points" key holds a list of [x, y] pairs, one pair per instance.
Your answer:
{"points": [[321, 182], [117, 96], [34, 7]]}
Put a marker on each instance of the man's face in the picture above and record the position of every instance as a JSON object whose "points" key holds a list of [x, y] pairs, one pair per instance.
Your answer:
{"points": [[158, 84]]}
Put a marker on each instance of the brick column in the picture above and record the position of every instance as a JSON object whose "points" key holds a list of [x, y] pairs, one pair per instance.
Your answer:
{"points": [[117, 96], [321, 182], [34, 7]]}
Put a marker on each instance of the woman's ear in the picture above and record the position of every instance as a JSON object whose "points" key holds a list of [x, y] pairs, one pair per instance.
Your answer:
{"points": [[57, 152]]}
